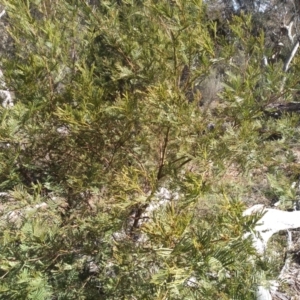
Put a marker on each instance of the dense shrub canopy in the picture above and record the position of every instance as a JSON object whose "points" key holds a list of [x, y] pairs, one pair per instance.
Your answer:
{"points": [[130, 118]]}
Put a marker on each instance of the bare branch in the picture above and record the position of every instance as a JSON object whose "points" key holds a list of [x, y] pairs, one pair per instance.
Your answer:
{"points": [[2, 13], [291, 56], [287, 29]]}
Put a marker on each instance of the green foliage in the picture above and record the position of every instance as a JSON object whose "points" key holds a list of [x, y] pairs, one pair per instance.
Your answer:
{"points": [[107, 113]]}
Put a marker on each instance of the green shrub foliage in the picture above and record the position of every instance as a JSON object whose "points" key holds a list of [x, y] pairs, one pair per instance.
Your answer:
{"points": [[109, 113]]}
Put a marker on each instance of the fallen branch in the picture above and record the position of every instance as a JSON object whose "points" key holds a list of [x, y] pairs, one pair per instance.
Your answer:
{"points": [[277, 109]]}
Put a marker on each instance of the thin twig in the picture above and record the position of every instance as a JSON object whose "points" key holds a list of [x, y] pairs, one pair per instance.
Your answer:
{"points": [[163, 155]]}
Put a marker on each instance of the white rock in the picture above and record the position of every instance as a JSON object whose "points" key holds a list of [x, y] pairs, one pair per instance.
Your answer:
{"points": [[263, 294], [192, 282], [5, 95]]}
